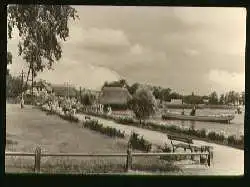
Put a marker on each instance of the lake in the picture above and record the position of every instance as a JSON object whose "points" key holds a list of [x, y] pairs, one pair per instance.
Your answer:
{"points": [[236, 127]]}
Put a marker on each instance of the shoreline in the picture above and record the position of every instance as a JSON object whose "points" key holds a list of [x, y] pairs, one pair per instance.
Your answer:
{"points": [[199, 106], [165, 131]]}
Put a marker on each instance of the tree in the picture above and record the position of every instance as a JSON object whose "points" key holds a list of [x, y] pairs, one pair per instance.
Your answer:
{"points": [[175, 95], [165, 94], [86, 100], [243, 98], [237, 98], [222, 99], [132, 89], [13, 86], [193, 99], [40, 28], [213, 98], [232, 97], [157, 92], [143, 103]]}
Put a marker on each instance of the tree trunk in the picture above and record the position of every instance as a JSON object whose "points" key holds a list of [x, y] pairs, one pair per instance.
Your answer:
{"points": [[26, 84]]}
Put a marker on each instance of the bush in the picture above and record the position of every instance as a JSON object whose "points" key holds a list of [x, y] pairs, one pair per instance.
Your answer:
{"points": [[231, 140], [124, 120], [212, 135], [109, 131], [139, 143]]}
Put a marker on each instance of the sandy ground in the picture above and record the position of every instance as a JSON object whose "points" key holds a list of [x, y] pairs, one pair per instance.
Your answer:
{"points": [[226, 160]]}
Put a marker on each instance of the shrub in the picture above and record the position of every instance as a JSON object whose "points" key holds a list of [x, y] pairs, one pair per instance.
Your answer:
{"points": [[231, 140], [109, 131], [212, 135], [203, 133], [139, 143]]}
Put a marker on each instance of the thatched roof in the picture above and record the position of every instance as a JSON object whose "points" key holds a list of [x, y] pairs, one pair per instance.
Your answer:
{"points": [[114, 95], [62, 90]]}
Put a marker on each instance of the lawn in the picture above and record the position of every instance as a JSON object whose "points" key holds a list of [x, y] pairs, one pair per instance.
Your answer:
{"points": [[28, 128]]}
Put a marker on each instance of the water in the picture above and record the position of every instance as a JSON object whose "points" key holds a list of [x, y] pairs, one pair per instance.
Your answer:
{"points": [[236, 127]]}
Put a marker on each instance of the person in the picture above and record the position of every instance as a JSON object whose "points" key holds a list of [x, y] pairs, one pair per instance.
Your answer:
{"points": [[183, 113], [193, 111], [22, 101]]}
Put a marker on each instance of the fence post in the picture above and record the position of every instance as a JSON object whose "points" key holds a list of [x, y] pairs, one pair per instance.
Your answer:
{"points": [[210, 157], [37, 159], [201, 155], [129, 159]]}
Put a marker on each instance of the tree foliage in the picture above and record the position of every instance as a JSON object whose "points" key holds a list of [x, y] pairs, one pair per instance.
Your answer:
{"points": [[13, 86], [143, 103], [132, 89], [119, 83], [213, 98], [40, 28]]}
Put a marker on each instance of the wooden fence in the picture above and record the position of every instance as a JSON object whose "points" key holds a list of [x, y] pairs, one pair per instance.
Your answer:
{"points": [[129, 156]]}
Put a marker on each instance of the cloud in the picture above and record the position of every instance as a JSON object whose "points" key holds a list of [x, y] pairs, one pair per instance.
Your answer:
{"points": [[85, 75], [104, 39], [226, 80], [136, 49], [167, 46], [191, 52]]}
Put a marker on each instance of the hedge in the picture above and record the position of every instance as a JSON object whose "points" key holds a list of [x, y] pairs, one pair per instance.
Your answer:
{"points": [[109, 131]]}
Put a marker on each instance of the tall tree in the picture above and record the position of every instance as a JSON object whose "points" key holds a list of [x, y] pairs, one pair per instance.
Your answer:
{"points": [[165, 94], [243, 98], [157, 92], [222, 99], [40, 27], [143, 103], [213, 98]]}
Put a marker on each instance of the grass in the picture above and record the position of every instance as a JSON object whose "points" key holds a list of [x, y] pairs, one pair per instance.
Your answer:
{"points": [[30, 127], [93, 165]]}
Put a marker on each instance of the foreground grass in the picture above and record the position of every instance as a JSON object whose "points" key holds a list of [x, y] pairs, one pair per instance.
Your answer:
{"points": [[91, 165], [59, 136]]}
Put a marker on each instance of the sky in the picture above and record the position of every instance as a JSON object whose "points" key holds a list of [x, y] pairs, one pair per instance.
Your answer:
{"points": [[187, 49]]}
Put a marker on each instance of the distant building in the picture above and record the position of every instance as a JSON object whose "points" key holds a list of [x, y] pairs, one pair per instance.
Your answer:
{"points": [[176, 101], [114, 97], [64, 91], [205, 101]]}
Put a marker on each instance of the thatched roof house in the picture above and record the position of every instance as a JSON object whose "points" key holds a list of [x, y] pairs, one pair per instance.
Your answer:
{"points": [[114, 96]]}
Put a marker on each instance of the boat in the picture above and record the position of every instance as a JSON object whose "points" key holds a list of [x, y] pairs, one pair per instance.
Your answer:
{"points": [[210, 118]]}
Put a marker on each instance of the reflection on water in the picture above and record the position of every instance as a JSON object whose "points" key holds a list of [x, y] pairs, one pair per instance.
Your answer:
{"points": [[236, 127]]}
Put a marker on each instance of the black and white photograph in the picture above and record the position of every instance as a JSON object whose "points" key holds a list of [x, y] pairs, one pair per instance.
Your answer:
{"points": [[131, 90]]}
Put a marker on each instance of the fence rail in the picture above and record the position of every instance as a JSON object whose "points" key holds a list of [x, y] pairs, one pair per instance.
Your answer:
{"points": [[129, 156]]}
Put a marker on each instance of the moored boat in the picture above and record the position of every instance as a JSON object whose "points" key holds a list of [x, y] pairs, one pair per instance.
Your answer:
{"points": [[211, 118]]}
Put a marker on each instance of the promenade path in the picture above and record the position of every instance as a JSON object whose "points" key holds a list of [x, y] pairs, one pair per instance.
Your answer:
{"points": [[226, 160]]}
